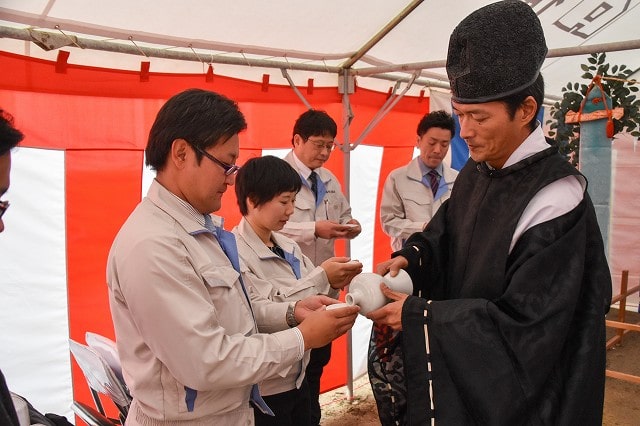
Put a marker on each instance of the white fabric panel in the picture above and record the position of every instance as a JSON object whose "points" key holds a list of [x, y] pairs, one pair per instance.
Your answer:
{"points": [[280, 152], [360, 336], [34, 349], [624, 239], [364, 175], [148, 176], [439, 100]]}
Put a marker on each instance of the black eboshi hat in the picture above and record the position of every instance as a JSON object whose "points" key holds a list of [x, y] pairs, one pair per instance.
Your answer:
{"points": [[494, 52]]}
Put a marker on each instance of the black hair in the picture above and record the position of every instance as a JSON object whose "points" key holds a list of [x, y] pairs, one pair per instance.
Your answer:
{"points": [[261, 179], [9, 135], [314, 123], [440, 119], [200, 117], [536, 90]]}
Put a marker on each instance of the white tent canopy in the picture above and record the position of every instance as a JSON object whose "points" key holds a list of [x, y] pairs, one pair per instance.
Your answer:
{"points": [[380, 38]]}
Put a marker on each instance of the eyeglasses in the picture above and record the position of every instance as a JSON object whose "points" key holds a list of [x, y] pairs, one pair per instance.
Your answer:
{"points": [[322, 145], [4, 206], [229, 169]]}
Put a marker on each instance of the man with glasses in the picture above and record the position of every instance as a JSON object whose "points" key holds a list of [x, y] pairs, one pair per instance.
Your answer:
{"points": [[9, 138], [322, 214], [186, 330]]}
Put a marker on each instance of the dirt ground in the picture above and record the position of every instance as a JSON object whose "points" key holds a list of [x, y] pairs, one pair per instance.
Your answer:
{"points": [[621, 404]]}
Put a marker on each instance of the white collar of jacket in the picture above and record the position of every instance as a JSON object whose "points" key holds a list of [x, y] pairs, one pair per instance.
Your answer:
{"points": [[184, 213], [533, 144], [304, 171], [246, 232]]}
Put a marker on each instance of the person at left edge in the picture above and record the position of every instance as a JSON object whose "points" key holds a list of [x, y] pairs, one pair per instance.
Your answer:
{"points": [[186, 331], [9, 138]]}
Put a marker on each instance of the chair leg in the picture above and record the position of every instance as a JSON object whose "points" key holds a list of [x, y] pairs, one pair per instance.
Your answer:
{"points": [[96, 400], [91, 416], [124, 412]]}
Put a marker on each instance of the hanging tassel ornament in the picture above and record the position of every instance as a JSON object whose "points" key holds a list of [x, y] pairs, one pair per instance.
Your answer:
{"points": [[610, 129], [590, 109]]}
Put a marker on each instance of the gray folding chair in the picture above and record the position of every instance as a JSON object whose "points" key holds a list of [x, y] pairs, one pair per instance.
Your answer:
{"points": [[108, 350], [100, 378], [90, 415]]}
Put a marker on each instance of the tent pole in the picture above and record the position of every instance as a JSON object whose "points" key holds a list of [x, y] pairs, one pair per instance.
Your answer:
{"points": [[388, 106], [40, 38], [381, 34], [50, 41], [286, 75], [553, 53], [347, 115], [346, 88]]}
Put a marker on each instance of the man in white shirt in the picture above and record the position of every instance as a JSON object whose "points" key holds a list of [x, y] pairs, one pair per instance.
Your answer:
{"points": [[186, 331], [413, 193], [322, 213]]}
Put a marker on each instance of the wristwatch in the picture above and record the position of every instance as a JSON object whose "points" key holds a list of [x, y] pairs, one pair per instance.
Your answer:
{"points": [[291, 314]]}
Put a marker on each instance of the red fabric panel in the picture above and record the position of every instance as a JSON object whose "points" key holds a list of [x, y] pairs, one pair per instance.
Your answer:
{"points": [[49, 120], [398, 128], [36, 75], [334, 374], [391, 159], [62, 121], [22, 73], [102, 188], [103, 117]]}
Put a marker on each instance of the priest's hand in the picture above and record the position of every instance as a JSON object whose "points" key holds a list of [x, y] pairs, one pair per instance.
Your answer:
{"points": [[391, 313], [392, 265]]}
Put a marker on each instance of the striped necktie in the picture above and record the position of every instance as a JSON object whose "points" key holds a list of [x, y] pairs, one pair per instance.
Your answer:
{"points": [[434, 177], [313, 177]]}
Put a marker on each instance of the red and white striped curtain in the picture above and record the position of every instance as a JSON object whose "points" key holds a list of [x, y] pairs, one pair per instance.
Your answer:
{"points": [[79, 173]]}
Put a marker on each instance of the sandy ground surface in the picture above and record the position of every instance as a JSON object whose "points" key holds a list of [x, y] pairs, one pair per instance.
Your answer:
{"points": [[621, 406]]}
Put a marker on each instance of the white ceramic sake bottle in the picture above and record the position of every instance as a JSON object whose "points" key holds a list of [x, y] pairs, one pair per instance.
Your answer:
{"points": [[364, 289]]}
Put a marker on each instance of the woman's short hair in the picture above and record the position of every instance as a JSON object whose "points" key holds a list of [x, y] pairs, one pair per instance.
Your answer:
{"points": [[261, 179]]}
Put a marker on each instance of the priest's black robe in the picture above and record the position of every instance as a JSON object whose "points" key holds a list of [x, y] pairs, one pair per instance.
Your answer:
{"points": [[499, 336]]}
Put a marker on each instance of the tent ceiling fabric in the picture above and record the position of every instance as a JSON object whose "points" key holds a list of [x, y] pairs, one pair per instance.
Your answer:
{"points": [[324, 33]]}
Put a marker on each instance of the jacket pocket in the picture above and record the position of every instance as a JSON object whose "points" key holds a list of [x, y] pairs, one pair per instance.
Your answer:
{"points": [[417, 206], [304, 205], [232, 308]]}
